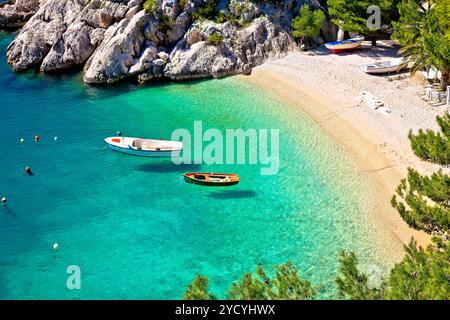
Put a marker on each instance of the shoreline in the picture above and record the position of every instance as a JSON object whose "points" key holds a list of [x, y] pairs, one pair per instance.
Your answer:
{"points": [[376, 142]]}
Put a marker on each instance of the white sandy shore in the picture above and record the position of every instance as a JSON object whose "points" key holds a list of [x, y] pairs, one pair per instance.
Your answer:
{"points": [[326, 87]]}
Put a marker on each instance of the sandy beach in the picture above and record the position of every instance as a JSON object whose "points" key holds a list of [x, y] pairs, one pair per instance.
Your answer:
{"points": [[328, 88]]}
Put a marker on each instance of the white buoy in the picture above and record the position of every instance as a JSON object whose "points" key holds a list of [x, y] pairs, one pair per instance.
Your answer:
{"points": [[55, 138], [4, 201], [55, 246], [22, 140]]}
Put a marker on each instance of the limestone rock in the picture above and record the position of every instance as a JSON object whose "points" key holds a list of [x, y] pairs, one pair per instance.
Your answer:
{"points": [[41, 32], [16, 13], [72, 49], [116, 39], [118, 52], [240, 50], [163, 55]]}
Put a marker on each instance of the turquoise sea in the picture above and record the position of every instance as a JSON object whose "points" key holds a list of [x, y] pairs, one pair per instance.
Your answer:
{"points": [[132, 225]]}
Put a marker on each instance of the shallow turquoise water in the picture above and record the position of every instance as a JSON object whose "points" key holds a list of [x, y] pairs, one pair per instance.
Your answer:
{"points": [[132, 225]]}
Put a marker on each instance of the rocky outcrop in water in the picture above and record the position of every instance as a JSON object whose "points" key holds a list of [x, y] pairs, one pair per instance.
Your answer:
{"points": [[15, 13], [240, 50], [176, 39]]}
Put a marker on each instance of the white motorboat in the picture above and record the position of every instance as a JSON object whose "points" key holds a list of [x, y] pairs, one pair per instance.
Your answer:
{"points": [[395, 65], [145, 147]]}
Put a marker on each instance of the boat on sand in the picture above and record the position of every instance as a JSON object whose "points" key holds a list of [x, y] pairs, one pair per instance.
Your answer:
{"points": [[145, 147], [394, 65], [212, 179], [345, 45]]}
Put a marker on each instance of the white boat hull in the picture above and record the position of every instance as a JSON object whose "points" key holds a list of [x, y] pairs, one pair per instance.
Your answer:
{"points": [[152, 154], [384, 67], [168, 149], [345, 45]]}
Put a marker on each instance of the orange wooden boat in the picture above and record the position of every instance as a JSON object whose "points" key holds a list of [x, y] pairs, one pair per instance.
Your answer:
{"points": [[212, 179]]}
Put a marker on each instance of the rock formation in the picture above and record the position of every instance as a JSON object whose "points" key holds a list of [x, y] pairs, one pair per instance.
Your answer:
{"points": [[176, 39], [15, 13]]}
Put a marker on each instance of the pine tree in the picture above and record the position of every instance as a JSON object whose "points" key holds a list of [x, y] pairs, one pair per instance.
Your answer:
{"points": [[426, 201], [286, 285], [431, 146], [351, 15], [421, 275], [198, 290], [308, 23], [353, 284]]}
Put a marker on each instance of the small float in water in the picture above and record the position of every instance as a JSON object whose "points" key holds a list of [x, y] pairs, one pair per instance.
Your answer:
{"points": [[394, 65], [145, 147], [212, 179], [345, 45]]}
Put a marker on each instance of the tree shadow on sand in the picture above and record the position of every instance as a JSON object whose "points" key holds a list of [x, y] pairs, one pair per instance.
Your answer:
{"points": [[168, 167], [233, 194], [382, 51]]}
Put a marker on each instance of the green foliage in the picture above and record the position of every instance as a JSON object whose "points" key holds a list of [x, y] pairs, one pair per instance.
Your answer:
{"points": [[165, 23], [308, 23], [432, 146], [421, 31], [422, 275], [443, 11], [352, 283], [427, 200], [151, 6], [425, 203], [286, 285], [205, 13], [215, 39], [198, 290], [351, 15]]}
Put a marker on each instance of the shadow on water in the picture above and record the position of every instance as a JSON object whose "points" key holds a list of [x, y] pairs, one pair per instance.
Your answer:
{"points": [[8, 211], [74, 75], [167, 167], [233, 194]]}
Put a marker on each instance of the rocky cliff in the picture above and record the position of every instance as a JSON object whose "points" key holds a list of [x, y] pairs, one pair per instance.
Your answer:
{"points": [[15, 13], [176, 39]]}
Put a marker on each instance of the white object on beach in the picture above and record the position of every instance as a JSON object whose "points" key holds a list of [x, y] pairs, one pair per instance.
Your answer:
{"points": [[372, 102], [384, 110], [394, 65]]}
